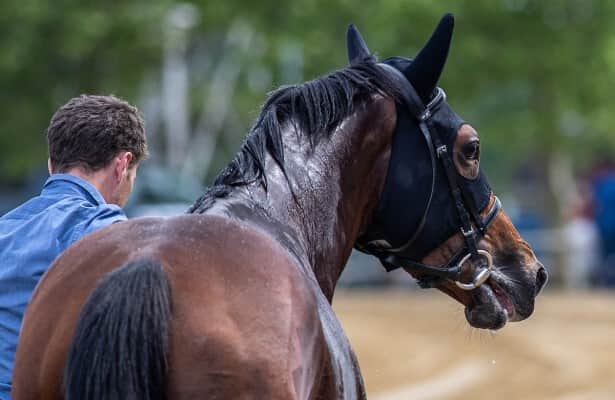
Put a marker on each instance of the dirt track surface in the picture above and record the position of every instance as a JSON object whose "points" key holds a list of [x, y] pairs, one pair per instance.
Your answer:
{"points": [[417, 345]]}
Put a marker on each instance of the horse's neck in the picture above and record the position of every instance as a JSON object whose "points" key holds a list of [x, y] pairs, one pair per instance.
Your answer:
{"points": [[332, 188]]}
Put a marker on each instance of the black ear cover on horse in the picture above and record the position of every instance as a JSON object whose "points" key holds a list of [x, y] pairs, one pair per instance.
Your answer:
{"points": [[424, 71], [357, 49]]}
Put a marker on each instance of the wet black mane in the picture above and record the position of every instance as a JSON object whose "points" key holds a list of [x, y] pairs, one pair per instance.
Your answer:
{"points": [[315, 107]]}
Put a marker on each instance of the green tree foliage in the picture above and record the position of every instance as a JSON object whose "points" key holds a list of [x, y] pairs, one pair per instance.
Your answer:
{"points": [[534, 77], [53, 50]]}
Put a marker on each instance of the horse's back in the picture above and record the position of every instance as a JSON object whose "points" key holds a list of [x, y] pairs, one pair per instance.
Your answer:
{"points": [[244, 314]]}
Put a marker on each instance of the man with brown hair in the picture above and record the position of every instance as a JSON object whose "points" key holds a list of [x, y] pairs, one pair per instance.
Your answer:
{"points": [[95, 146]]}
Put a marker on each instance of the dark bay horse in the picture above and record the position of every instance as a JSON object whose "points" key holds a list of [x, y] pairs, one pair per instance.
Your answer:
{"points": [[233, 299]]}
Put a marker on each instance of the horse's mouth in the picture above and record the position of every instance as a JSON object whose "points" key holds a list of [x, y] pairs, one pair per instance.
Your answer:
{"points": [[492, 305]]}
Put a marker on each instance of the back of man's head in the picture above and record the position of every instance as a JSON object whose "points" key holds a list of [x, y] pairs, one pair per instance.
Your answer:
{"points": [[89, 131]]}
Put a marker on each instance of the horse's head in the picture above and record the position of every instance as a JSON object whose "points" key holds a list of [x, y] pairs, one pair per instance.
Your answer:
{"points": [[437, 216]]}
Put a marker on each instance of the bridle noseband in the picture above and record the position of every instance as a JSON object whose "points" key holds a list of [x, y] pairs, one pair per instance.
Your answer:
{"points": [[432, 275], [393, 258]]}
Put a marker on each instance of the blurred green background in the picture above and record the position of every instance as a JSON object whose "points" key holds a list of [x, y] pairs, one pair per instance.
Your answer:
{"points": [[534, 77]]}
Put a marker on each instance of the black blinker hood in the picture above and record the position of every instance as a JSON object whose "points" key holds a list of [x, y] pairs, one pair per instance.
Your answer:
{"points": [[413, 218]]}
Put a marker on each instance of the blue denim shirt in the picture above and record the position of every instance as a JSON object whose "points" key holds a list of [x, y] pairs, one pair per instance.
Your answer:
{"points": [[31, 237]]}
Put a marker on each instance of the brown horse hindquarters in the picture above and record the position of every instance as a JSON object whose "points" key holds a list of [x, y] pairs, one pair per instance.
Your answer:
{"points": [[244, 320]]}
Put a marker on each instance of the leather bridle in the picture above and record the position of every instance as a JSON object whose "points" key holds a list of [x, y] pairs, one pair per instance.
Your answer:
{"points": [[472, 225]]}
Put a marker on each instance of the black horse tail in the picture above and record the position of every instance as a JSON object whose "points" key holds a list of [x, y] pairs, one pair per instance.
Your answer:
{"points": [[119, 350]]}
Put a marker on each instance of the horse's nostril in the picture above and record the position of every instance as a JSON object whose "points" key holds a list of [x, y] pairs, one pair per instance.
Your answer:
{"points": [[541, 279]]}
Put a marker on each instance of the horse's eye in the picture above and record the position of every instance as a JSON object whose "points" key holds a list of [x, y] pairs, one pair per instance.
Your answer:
{"points": [[471, 150]]}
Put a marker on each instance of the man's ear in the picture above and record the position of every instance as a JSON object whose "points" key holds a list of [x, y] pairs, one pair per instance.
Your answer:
{"points": [[122, 163]]}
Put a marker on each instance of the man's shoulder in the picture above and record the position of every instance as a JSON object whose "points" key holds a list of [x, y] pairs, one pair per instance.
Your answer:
{"points": [[73, 218], [100, 216], [68, 218], [109, 212], [26, 210], [68, 206]]}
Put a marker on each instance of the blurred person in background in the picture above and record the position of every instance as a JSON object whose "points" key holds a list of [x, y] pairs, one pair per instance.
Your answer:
{"points": [[95, 145], [582, 241], [603, 191]]}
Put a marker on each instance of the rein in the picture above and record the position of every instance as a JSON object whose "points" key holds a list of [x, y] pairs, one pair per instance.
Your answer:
{"points": [[430, 276]]}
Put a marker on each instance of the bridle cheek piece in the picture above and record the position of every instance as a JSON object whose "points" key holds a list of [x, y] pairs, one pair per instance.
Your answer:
{"points": [[471, 225]]}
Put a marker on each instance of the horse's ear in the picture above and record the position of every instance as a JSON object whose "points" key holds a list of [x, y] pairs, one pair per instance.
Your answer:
{"points": [[424, 72], [357, 49]]}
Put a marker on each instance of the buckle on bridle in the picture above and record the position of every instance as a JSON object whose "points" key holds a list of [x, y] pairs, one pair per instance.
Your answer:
{"points": [[441, 150], [469, 232], [425, 115], [482, 276]]}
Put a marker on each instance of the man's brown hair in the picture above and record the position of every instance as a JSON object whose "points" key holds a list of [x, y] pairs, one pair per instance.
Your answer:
{"points": [[89, 131]]}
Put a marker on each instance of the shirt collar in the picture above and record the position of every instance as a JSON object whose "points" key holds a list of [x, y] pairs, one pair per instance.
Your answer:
{"points": [[71, 183]]}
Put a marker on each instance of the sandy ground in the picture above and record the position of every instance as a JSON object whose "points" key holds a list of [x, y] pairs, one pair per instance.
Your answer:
{"points": [[417, 345]]}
